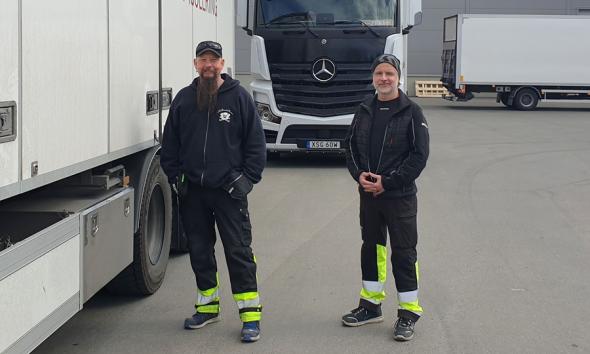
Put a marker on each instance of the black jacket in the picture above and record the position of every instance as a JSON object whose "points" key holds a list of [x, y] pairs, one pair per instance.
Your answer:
{"points": [[404, 150], [214, 148]]}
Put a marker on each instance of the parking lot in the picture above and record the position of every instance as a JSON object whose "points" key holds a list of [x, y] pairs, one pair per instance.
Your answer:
{"points": [[504, 248]]}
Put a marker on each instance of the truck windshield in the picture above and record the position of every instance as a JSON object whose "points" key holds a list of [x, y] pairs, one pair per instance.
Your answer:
{"points": [[326, 12]]}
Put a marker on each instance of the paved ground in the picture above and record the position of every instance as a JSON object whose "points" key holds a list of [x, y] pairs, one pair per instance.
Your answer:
{"points": [[504, 251]]}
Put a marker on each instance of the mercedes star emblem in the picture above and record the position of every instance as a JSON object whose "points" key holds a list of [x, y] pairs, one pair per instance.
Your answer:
{"points": [[323, 70]]}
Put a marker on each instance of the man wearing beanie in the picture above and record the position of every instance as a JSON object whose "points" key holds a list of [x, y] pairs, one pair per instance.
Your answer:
{"points": [[387, 146], [213, 151]]}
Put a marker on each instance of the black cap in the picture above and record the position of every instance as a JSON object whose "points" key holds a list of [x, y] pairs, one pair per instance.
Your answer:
{"points": [[389, 59], [209, 46]]}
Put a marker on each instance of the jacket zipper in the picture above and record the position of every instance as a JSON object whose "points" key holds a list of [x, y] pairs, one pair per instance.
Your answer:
{"points": [[381, 154], [205, 148], [350, 146]]}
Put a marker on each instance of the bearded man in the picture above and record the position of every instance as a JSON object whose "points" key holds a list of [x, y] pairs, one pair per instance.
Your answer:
{"points": [[213, 152]]}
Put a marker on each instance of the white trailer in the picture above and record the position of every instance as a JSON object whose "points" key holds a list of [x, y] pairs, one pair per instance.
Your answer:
{"points": [[84, 90], [524, 59]]}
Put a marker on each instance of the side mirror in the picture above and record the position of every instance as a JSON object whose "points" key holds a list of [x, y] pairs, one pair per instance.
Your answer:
{"points": [[413, 15], [243, 15]]}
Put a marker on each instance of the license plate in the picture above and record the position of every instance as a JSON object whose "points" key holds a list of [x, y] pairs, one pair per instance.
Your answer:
{"points": [[322, 144]]}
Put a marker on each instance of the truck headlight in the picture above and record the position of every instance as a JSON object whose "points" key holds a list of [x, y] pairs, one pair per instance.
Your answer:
{"points": [[266, 114]]}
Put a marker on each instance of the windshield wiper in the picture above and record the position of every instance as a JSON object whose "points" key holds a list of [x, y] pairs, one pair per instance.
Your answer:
{"points": [[340, 22], [278, 19], [302, 23]]}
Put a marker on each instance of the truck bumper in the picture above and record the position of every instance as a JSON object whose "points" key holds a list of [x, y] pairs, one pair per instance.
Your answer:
{"points": [[295, 131]]}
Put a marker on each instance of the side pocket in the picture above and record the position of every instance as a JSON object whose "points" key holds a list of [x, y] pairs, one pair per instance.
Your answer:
{"points": [[246, 239], [407, 230]]}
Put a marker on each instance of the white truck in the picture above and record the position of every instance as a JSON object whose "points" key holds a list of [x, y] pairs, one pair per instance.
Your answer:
{"points": [[311, 63], [84, 90], [524, 59]]}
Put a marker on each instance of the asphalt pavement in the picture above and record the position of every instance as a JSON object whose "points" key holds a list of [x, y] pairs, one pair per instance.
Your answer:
{"points": [[504, 251]]}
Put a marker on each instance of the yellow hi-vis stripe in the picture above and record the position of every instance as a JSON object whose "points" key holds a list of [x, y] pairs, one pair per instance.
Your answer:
{"points": [[413, 306], [381, 263], [208, 309], [246, 296], [250, 316], [417, 271]]}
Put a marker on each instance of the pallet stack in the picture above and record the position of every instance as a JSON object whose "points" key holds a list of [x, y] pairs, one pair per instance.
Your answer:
{"points": [[430, 89]]}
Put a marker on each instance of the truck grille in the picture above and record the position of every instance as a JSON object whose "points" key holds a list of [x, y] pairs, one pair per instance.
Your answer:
{"points": [[296, 90]]}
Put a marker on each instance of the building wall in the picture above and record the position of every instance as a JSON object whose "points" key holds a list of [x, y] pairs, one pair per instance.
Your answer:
{"points": [[425, 41]]}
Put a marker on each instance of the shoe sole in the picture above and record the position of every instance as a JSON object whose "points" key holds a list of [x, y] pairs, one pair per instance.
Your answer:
{"points": [[358, 324], [251, 339], [212, 320], [402, 338]]}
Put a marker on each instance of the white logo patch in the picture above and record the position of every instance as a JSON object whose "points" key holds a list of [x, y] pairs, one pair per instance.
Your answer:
{"points": [[225, 115], [424, 124]]}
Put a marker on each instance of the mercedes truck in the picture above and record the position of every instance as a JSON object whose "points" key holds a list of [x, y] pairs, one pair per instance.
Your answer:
{"points": [[524, 59], [85, 87], [311, 63]]}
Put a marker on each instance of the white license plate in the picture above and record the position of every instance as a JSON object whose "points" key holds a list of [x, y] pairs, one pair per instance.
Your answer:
{"points": [[321, 144]]}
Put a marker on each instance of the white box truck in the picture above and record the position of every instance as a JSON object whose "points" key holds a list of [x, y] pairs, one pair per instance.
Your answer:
{"points": [[84, 90], [524, 59]]}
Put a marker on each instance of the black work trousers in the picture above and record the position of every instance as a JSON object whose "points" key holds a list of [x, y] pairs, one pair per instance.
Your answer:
{"points": [[378, 216], [201, 209]]}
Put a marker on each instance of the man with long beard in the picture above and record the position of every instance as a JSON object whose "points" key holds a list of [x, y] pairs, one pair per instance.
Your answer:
{"points": [[213, 151]]}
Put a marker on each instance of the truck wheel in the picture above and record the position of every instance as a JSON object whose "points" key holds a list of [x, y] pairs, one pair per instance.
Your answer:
{"points": [[526, 99], [151, 245]]}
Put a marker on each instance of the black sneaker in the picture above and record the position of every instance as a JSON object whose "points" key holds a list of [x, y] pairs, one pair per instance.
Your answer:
{"points": [[404, 329], [250, 331], [200, 320], [361, 316]]}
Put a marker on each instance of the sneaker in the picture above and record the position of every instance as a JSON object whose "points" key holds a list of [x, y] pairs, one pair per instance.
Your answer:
{"points": [[404, 329], [250, 331], [361, 316], [200, 320]]}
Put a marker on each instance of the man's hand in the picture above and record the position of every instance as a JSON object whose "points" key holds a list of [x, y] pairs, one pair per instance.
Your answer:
{"points": [[371, 183], [364, 180]]}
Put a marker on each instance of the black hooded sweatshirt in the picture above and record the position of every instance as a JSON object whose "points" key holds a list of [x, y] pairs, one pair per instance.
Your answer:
{"points": [[213, 148]]}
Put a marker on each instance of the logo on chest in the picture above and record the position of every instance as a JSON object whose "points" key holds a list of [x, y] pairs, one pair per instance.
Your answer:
{"points": [[225, 115]]}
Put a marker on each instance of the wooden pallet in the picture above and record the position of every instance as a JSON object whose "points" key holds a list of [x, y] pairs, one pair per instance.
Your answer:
{"points": [[430, 89]]}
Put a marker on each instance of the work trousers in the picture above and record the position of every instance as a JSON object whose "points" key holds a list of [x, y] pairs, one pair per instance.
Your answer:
{"points": [[398, 217], [201, 209]]}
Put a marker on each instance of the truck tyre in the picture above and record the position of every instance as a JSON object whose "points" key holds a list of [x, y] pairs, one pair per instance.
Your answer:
{"points": [[151, 243], [526, 99]]}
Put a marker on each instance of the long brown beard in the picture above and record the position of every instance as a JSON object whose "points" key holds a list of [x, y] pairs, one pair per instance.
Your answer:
{"points": [[206, 93]]}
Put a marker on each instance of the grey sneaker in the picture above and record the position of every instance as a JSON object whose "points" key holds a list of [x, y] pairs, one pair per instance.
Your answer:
{"points": [[200, 320], [361, 316], [250, 331], [404, 329]]}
